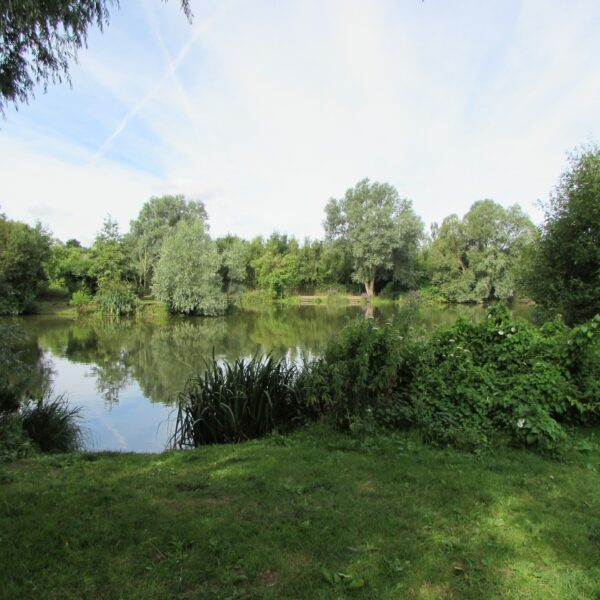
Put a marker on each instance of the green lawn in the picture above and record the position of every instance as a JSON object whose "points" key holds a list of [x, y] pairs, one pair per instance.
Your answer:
{"points": [[312, 515]]}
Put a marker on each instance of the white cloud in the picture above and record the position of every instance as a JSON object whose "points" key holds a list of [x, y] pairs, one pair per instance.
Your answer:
{"points": [[266, 110]]}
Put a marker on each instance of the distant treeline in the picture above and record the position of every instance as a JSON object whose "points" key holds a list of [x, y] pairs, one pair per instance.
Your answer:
{"points": [[375, 244]]}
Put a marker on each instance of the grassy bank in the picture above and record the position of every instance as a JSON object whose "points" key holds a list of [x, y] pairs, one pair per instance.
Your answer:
{"points": [[313, 515]]}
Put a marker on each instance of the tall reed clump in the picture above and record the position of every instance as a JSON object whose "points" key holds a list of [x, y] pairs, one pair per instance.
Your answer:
{"points": [[246, 399], [115, 298], [51, 424]]}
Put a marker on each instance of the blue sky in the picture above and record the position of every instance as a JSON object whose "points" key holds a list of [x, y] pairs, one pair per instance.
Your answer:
{"points": [[266, 109]]}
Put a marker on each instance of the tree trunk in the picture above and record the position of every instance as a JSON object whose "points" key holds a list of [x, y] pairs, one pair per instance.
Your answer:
{"points": [[370, 288]]}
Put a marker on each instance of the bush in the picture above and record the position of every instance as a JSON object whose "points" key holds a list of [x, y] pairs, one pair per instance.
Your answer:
{"points": [[81, 300], [14, 442], [52, 425], [115, 298], [364, 369], [468, 383]]}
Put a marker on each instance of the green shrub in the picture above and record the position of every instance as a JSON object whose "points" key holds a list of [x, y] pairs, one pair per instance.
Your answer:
{"points": [[364, 369], [467, 384], [115, 298], [52, 425], [14, 442], [81, 300]]}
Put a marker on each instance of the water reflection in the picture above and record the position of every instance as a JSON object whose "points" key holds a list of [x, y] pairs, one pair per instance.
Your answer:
{"points": [[126, 374]]}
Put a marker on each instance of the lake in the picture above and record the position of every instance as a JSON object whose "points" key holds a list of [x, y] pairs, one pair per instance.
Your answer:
{"points": [[125, 375]]}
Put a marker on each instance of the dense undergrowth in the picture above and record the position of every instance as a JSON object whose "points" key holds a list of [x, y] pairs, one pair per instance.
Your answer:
{"points": [[501, 381]]}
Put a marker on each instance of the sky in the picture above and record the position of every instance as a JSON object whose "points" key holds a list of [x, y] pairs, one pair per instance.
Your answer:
{"points": [[266, 109]]}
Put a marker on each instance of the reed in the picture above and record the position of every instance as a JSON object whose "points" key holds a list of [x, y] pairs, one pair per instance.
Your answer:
{"points": [[52, 424], [241, 400]]}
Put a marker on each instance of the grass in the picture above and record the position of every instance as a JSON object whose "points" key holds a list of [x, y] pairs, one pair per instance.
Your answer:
{"points": [[312, 515]]}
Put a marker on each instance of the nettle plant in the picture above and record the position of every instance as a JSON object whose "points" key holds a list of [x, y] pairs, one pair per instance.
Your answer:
{"points": [[508, 376], [467, 384]]}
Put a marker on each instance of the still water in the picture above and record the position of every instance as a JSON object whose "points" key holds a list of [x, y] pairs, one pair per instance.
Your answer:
{"points": [[125, 375]]}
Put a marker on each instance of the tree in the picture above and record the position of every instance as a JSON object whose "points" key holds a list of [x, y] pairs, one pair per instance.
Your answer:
{"points": [[563, 273], [158, 217], [24, 251], [187, 274], [40, 38], [108, 254], [475, 259], [233, 251], [376, 223], [336, 263], [71, 267]]}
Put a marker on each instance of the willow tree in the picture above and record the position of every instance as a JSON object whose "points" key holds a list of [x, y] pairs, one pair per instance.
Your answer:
{"points": [[187, 275], [39, 40], [476, 259], [156, 220], [378, 227]]}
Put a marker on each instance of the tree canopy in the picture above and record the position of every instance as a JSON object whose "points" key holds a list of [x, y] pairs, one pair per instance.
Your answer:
{"points": [[564, 266], [40, 38], [378, 227], [24, 251], [157, 218], [187, 275], [475, 259]]}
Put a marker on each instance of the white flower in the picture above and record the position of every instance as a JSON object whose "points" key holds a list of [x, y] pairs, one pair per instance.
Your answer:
{"points": [[520, 423], [513, 329], [501, 332]]}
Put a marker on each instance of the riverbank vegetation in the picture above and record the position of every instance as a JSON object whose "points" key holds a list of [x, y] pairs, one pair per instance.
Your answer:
{"points": [[375, 245], [471, 385]]}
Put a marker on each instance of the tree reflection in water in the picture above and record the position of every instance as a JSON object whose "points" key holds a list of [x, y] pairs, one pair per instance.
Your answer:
{"points": [[160, 357]]}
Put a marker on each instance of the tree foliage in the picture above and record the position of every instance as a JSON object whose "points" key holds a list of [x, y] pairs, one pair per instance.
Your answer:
{"points": [[475, 259], [71, 267], [378, 227], [24, 251], [233, 251], [40, 38], [110, 261], [157, 218], [564, 266], [187, 275]]}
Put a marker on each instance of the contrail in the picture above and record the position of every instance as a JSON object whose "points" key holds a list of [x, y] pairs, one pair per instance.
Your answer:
{"points": [[171, 71], [161, 42]]}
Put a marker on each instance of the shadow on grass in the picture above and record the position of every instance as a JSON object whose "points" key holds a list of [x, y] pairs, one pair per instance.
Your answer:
{"points": [[316, 515]]}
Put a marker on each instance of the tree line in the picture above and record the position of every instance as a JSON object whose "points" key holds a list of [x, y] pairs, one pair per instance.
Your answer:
{"points": [[374, 244]]}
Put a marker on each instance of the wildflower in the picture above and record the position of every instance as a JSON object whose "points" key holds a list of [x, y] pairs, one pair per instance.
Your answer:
{"points": [[520, 423], [513, 329], [501, 332]]}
